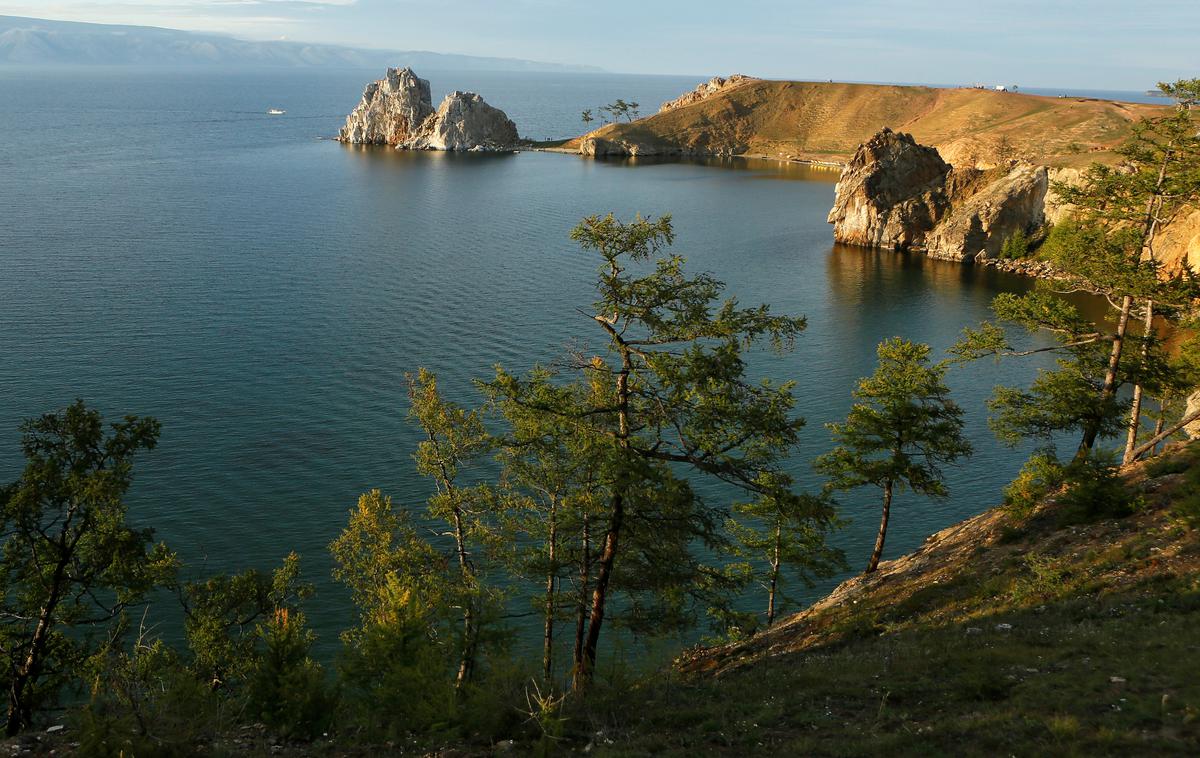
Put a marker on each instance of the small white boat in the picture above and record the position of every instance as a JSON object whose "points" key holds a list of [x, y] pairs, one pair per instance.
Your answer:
{"points": [[275, 112]]}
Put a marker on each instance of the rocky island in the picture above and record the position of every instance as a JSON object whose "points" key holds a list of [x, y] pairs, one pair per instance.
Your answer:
{"points": [[398, 110]]}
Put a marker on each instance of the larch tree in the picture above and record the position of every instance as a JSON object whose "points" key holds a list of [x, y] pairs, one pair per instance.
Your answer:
{"points": [[900, 432], [781, 535], [663, 399], [454, 436]]}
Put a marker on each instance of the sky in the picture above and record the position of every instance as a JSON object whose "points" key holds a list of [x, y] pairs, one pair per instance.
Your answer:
{"points": [[1096, 44]]}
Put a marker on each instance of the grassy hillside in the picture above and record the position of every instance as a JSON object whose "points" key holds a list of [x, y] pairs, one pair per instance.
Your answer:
{"points": [[1062, 632], [820, 121]]}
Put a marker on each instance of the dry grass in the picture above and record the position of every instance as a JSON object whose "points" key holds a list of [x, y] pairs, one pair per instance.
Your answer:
{"points": [[819, 121]]}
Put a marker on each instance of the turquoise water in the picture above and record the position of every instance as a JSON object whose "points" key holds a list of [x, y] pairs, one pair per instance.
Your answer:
{"points": [[167, 249]]}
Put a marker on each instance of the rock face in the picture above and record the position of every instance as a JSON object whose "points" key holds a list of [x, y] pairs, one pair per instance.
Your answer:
{"points": [[890, 194], [1192, 430], [397, 110], [706, 90], [465, 122], [991, 207], [899, 195], [390, 111]]}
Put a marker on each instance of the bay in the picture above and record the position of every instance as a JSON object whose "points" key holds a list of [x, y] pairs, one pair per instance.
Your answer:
{"points": [[168, 249]]}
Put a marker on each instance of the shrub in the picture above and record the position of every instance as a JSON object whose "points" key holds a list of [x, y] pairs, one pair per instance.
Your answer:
{"points": [[1095, 491], [1016, 245], [1041, 475], [286, 688]]}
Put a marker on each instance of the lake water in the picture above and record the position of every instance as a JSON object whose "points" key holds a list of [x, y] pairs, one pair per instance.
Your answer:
{"points": [[167, 249]]}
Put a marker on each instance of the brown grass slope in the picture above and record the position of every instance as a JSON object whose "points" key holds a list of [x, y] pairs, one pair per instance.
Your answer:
{"points": [[817, 121]]}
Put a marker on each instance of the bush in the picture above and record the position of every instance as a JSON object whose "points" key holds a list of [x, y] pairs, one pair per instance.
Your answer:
{"points": [[1016, 246], [145, 702], [286, 689], [397, 680], [1041, 475], [1095, 491]]}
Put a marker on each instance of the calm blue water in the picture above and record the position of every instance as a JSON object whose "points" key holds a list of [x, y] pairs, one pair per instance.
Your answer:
{"points": [[167, 249]]}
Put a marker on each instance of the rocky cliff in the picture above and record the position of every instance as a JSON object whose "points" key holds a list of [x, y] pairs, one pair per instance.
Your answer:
{"points": [[390, 111], [465, 122], [398, 110], [706, 90], [900, 195]]}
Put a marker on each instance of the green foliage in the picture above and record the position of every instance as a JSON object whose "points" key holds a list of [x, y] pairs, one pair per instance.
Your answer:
{"points": [[1108, 245], [900, 432], [1044, 581], [621, 109], [145, 701], [782, 535], [902, 428], [1094, 490], [395, 671], [1015, 246], [1041, 475], [70, 562], [667, 394], [286, 689], [222, 616]]}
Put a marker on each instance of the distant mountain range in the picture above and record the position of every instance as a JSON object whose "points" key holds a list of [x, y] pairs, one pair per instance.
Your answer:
{"points": [[33, 41]]}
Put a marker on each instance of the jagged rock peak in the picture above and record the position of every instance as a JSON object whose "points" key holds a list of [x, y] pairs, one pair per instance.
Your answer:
{"points": [[397, 110], [391, 110], [890, 194], [465, 122], [706, 90]]}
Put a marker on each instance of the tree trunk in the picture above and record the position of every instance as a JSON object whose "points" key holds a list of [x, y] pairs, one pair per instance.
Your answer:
{"points": [[548, 633], [581, 616], [466, 664], [1158, 425], [883, 524], [600, 595], [1135, 409], [608, 554], [1109, 388], [774, 585]]}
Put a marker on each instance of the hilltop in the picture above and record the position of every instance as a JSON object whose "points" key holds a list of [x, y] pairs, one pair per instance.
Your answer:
{"points": [[826, 122]]}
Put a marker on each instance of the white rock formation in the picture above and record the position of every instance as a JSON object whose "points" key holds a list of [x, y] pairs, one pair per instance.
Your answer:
{"points": [[397, 110], [465, 122], [390, 111]]}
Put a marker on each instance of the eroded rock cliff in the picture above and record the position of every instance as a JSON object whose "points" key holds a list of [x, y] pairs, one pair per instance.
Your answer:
{"points": [[465, 122], [391, 110], [397, 110], [900, 195], [706, 90]]}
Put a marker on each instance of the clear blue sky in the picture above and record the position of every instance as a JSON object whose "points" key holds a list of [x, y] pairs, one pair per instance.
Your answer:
{"points": [[1079, 43]]}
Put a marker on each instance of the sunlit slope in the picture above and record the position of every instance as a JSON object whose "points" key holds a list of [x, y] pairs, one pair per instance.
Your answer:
{"points": [[827, 121]]}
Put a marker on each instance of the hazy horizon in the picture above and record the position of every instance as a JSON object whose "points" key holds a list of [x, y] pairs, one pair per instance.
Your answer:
{"points": [[1094, 45]]}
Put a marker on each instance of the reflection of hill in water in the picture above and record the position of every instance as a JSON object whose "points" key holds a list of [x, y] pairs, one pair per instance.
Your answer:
{"points": [[868, 284]]}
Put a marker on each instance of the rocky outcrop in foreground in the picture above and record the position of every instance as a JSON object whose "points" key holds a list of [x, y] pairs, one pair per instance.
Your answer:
{"points": [[706, 90], [899, 195], [398, 110]]}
